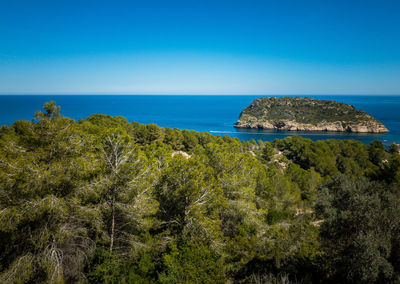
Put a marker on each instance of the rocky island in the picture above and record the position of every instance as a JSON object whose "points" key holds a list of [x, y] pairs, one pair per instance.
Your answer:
{"points": [[307, 114]]}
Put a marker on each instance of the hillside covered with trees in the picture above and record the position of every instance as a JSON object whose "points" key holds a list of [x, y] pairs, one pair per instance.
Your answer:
{"points": [[105, 200], [307, 114]]}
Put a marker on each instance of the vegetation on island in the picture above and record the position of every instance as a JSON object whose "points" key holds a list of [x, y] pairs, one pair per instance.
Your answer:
{"points": [[102, 200], [278, 111]]}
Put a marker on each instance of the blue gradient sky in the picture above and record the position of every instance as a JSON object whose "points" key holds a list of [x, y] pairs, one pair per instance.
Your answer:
{"points": [[199, 47]]}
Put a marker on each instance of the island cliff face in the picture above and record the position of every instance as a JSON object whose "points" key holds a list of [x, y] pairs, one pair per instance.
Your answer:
{"points": [[307, 114]]}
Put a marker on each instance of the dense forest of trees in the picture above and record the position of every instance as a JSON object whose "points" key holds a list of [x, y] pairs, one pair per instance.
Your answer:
{"points": [[105, 200]]}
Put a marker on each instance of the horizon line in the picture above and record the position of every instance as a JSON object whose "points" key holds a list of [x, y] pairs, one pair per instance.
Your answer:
{"points": [[195, 94]]}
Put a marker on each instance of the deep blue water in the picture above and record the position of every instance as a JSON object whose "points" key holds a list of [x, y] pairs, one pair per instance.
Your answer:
{"points": [[215, 114]]}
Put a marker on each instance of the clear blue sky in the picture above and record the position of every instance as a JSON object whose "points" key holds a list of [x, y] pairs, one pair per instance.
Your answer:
{"points": [[199, 47]]}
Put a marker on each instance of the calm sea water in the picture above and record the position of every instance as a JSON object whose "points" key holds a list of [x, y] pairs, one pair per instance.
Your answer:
{"points": [[215, 114]]}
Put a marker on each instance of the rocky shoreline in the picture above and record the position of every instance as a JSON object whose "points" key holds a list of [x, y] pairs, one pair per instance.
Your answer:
{"points": [[331, 127]]}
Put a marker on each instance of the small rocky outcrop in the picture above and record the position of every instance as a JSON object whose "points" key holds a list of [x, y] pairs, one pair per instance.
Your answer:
{"points": [[307, 114]]}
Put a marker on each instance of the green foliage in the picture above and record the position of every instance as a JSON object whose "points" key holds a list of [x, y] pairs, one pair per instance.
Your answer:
{"points": [[394, 149], [360, 230], [191, 263], [103, 200], [268, 152], [52, 111], [146, 134], [308, 182], [189, 140]]}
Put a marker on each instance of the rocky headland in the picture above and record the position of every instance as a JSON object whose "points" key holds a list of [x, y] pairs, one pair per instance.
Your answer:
{"points": [[307, 114]]}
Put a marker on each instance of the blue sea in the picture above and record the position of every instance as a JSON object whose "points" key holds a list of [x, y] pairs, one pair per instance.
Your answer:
{"points": [[215, 114]]}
